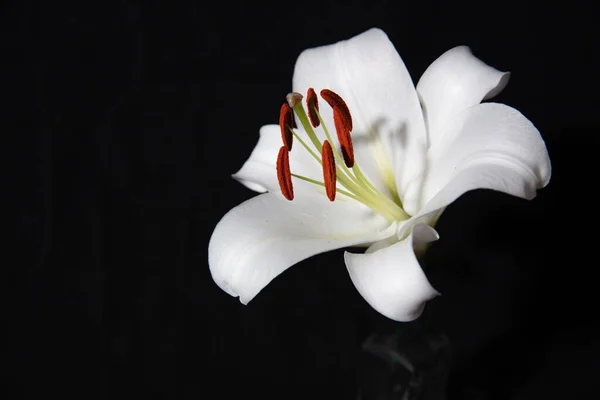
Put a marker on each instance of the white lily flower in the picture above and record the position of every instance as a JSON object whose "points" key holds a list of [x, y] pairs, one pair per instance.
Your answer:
{"points": [[411, 152]]}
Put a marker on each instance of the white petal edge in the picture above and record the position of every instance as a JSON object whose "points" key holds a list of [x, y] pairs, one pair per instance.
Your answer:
{"points": [[488, 146], [258, 172], [391, 279], [454, 82], [368, 73], [262, 237]]}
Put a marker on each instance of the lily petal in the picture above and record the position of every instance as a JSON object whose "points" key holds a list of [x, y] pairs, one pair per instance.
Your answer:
{"points": [[367, 72], [488, 146], [259, 174], [391, 279], [454, 82], [262, 237]]}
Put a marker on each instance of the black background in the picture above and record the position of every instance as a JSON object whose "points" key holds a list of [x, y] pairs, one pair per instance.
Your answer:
{"points": [[124, 123]]}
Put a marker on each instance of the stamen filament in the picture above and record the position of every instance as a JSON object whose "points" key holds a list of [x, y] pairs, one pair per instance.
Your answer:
{"points": [[359, 179], [340, 173], [387, 214], [371, 200], [303, 143], [364, 179], [342, 191], [357, 186], [299, 110], [360, 176]]}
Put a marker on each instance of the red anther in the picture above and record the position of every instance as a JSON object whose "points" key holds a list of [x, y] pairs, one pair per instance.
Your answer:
{"points": [[311, 103], [344, 137], [335, 101], [329, 176], [286, 123], [284, 175]]}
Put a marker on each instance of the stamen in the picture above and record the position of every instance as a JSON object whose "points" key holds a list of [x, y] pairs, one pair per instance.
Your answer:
{"points": [[344, 137], [335, 167], [335, 101], [286, 123], [312, 103], [284, 175], [329, 174]]}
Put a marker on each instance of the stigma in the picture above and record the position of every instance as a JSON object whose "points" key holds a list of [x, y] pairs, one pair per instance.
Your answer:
{"points": [[338, 167]]}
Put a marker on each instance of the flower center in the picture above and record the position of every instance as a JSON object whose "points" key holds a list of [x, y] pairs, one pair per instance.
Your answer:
{"points": [[342, 169]]}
